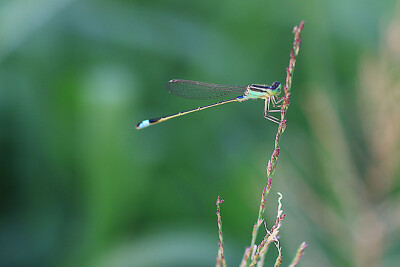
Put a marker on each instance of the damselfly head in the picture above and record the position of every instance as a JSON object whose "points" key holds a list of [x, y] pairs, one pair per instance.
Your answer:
{"points": [[275, 88], [276, 85]]}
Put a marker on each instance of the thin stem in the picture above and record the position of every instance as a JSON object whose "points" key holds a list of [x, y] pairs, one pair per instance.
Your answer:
{"points": [[221, 257], [282, 125], [299, 254], [286, 98], [260, 213]]}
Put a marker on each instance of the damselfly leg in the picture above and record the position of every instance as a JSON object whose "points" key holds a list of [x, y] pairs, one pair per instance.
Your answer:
{"points": [[267, 108]]}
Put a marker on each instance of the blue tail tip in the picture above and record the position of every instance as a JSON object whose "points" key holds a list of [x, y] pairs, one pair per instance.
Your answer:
{"points": [[143, 124]]}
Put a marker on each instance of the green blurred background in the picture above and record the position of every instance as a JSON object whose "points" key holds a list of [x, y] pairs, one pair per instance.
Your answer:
{"points": [[81, 187]]}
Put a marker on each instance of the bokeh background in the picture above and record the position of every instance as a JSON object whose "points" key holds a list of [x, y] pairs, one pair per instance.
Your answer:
{"points": [[80, 186]]}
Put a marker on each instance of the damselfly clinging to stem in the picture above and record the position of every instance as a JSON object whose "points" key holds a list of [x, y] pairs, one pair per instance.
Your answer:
{"points": [[200, 90]]}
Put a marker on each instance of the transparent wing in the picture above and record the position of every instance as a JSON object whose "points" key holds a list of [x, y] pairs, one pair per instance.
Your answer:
{"points": [[200, 90]]}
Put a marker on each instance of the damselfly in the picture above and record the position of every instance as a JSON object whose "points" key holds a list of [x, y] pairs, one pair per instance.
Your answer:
{"points": [[200, 90]]}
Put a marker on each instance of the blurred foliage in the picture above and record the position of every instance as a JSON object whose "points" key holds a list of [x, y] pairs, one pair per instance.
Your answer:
{"points": [[81, 187]]}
